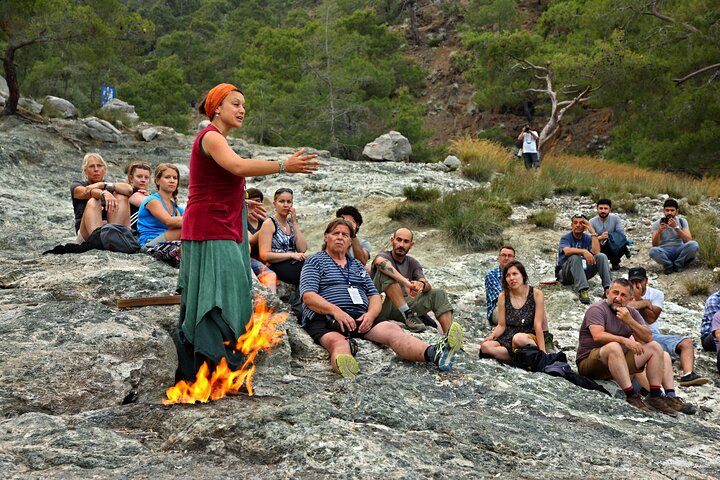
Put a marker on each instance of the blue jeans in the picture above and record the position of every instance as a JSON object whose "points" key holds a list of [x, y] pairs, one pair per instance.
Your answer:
{"points": [[676, 256], [532, 160]]}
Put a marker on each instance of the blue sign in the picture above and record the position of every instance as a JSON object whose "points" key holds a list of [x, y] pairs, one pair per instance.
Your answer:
{"points": [[107, 93]]}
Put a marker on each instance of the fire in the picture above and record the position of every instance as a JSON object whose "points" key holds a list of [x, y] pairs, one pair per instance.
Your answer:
{"points": [[267, 280], [261, 334]]}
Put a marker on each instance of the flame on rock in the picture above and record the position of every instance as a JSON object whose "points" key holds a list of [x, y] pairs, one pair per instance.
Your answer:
{"points": [[261, 334], [267, 280]]}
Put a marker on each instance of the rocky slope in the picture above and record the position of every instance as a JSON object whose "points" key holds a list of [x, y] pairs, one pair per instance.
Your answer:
{"points": [[81, 381]]}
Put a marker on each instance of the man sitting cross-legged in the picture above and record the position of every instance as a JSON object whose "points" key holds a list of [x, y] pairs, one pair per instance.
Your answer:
{"points": [[340, 303], [615, 343], [408, 292]]}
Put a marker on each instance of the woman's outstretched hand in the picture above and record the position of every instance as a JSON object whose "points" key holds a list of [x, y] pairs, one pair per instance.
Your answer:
{"points": [[300, 163]]}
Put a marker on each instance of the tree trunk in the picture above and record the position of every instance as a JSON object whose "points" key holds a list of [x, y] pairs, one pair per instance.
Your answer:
{"points": [[11, 78], [413, 21]]}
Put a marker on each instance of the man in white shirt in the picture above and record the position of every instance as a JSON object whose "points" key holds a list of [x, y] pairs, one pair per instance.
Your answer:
{"points": [[649, 302], [530, 139]]}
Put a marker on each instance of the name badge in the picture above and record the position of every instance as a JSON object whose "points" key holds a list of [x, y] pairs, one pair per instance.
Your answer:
{"points": [[355, 295]]}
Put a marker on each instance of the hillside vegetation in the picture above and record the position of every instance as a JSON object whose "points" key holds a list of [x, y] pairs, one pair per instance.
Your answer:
{"points": [[335, 74]]}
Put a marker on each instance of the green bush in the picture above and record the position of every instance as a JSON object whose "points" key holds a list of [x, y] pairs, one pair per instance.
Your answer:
{"points": [[704, 229], [478, 171], [496, 134], [415, 213], [544, 218], [421, 194]]}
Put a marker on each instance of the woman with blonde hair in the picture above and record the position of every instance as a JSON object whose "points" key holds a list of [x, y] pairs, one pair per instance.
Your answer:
{"points": [[214, 279], [97, 201], [160, 218]]}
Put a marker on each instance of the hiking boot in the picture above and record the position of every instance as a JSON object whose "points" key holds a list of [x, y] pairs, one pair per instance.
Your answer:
{"points": [[679, 405], [429, 321], [413, 322], [447, 347], [691, 379], [636, 401], [661, 405], [615, 267], [347, 366], [584, 297]]}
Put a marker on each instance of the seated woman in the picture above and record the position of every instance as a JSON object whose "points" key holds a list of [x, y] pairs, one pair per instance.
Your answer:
{"points": [[159, 217], [521, 311], [139, 178], [264, 275], [96, 201], [281, 242]]}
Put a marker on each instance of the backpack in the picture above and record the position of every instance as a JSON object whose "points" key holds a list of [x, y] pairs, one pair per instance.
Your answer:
{"points": [[118, 238]]}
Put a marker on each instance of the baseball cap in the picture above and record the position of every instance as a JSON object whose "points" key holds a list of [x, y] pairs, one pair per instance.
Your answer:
{"points": [[637, 273]]}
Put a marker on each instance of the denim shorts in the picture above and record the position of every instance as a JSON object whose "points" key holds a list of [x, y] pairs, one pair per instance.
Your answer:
{"points": [[669, 343]]}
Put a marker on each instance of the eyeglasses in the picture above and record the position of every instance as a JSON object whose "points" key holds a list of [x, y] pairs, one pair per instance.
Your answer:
{"points": [[579, 215]]}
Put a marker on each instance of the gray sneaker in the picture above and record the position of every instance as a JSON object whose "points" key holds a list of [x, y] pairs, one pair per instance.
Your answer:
{"points": [[447, 347], [413, 322]]}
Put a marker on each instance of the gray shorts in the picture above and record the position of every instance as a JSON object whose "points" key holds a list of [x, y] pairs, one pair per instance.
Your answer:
{"points": [[669, 343]]}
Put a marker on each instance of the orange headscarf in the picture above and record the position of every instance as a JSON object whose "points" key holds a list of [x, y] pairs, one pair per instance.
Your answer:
{"points": [[216, 96]]}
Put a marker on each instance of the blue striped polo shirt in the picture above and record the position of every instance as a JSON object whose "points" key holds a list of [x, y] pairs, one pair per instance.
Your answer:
{"points": [[322, 275]]}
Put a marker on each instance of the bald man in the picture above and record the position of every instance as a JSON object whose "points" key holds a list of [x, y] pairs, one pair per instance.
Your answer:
{"points": [[408, 294]]}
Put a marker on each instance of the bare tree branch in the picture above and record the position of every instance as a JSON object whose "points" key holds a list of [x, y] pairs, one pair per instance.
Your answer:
{"points": [[700, 71]]}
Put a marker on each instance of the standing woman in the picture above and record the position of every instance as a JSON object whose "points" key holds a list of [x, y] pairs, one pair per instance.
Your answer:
{"points": [[139, 178], [214, 277], [96, 201], [521, 312], [160, 218], [281, 242]]}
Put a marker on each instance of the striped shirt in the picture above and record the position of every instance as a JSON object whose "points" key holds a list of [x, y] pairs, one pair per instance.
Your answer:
{"points": [[323, 276]]}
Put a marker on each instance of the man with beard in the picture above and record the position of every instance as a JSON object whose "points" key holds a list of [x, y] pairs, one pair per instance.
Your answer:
{"points": [[649, 303], [611, 234], [408, 292], [579, 258], [672, 243], [615, 342], [340, 303]]}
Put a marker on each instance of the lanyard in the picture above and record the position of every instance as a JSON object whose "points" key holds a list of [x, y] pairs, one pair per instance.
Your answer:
{"points": [[345, 275]]}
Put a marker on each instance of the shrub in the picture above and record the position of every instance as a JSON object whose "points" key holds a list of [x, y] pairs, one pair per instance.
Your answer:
{"points": [[697, 286], [496, 134], [421, 194], [544, 218], [469, 150], [704, 229], [521, 186], [480, 172], [415, 213]]}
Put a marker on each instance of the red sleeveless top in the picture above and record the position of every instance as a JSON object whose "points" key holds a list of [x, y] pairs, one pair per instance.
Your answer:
{"points": [[216, 199]]}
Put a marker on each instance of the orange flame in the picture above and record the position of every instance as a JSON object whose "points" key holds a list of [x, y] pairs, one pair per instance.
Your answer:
{"points": [[261, 334]]}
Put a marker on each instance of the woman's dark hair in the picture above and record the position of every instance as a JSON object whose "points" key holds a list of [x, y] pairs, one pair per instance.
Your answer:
{"points": [[254, 193], [201, 107], [334, 223], [352, 211], [280, 191], [521, 269]]}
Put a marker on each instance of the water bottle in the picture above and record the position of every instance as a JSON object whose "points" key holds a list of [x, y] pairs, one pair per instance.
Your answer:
{"points": [[584, 264]]}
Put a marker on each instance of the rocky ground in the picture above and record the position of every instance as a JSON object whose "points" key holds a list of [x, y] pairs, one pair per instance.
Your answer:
{"points": [[81, 381]]}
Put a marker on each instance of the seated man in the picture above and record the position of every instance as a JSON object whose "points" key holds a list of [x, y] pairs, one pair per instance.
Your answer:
{"points": [[672, 243], [715, 327], [649, 302], [611, 234], [712, 306], [408, 292], [579, 258], [360, 248], [615, 343], [340, 302], [493, 283]]}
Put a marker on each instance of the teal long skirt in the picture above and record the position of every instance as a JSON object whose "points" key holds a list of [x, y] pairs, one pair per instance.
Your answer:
{"points": [[216, 288]]}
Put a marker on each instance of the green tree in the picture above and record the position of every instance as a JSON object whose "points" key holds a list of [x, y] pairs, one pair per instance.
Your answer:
{"points": [[64, 26]]}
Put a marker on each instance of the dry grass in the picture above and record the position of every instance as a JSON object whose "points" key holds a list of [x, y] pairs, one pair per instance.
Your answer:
{"points": [[582, 175], [704, 229], [697, 286]]}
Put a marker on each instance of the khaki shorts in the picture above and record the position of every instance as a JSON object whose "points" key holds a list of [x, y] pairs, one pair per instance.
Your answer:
{"points": [[592, 367]]}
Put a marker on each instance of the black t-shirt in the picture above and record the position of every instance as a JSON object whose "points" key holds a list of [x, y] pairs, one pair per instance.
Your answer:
{"points": [[78, 205]]}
